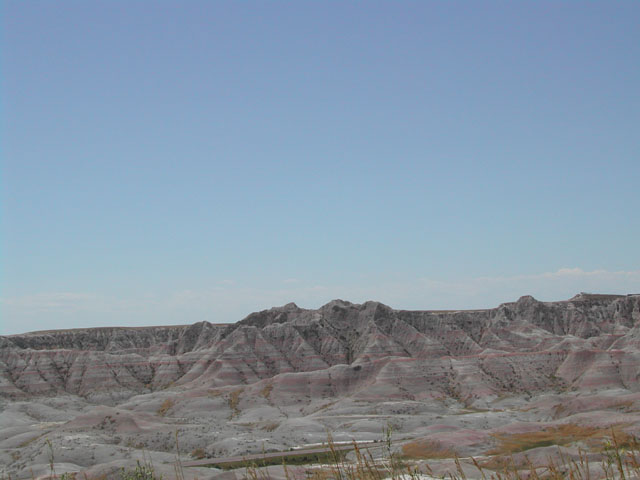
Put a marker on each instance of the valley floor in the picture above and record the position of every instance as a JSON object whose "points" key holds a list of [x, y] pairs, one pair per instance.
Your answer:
{"points": [[98, 440]]}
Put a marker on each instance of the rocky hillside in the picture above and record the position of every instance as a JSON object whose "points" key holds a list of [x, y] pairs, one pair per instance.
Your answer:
{"points": [[527, 377], [367, 351]]}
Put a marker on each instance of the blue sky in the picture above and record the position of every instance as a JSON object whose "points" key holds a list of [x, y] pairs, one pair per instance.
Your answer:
{"points": [[171, 162]]}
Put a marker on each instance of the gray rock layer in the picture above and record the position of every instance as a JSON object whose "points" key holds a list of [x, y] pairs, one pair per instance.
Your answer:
{"points": [[370, 351]]}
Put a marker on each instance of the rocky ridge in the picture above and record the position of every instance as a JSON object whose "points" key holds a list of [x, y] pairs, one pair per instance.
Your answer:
{"points": [[449, 382], [589, 341]]}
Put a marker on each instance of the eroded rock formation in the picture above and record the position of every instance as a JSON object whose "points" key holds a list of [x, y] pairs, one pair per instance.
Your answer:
{"points": [[368, 350], [450, 382]]}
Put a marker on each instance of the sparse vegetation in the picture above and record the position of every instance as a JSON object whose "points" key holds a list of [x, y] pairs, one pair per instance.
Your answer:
{"points": [[234, 401], [142, 471], [266, 391], [426, 450], [165, 407], [558, 435], [270, 426], [177, 467], [29, 441], [620, 460], [131, 443], [198, 453]]}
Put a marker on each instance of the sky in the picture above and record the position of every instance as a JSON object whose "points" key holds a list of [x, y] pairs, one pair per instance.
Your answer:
{"points": [[171, 162]]}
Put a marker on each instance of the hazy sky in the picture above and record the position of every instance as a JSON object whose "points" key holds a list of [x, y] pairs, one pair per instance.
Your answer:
{"points": [[171, 162]]}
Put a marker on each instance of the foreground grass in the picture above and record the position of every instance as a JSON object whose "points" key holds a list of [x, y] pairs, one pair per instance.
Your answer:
{"points": [[620, 460]]}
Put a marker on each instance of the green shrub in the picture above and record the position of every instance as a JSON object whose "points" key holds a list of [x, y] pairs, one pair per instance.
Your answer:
{"points": [[142, 471]]}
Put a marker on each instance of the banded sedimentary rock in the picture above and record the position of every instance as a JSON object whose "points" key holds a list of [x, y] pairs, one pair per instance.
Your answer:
{"points": [[368, 350]]}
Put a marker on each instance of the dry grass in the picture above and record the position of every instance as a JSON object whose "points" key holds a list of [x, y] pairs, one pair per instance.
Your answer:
{"points": [[266, 391], [557, 435], [28, 442], [234, 401], [426, 449], [270, 426], [621, 461], [198, 453], [626, 405], [561, 410], [165, 407], [322, 407]]}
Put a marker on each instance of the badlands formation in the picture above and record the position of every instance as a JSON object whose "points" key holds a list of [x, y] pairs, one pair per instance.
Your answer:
{"points": [[526, 379]]}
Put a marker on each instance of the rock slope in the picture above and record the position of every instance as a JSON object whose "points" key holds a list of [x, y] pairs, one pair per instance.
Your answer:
{"points": [[369, 350], [449, 382]]}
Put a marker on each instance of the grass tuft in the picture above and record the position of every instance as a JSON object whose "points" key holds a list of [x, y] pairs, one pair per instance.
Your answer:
{"points": [[165, 407], [234, 401]]}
